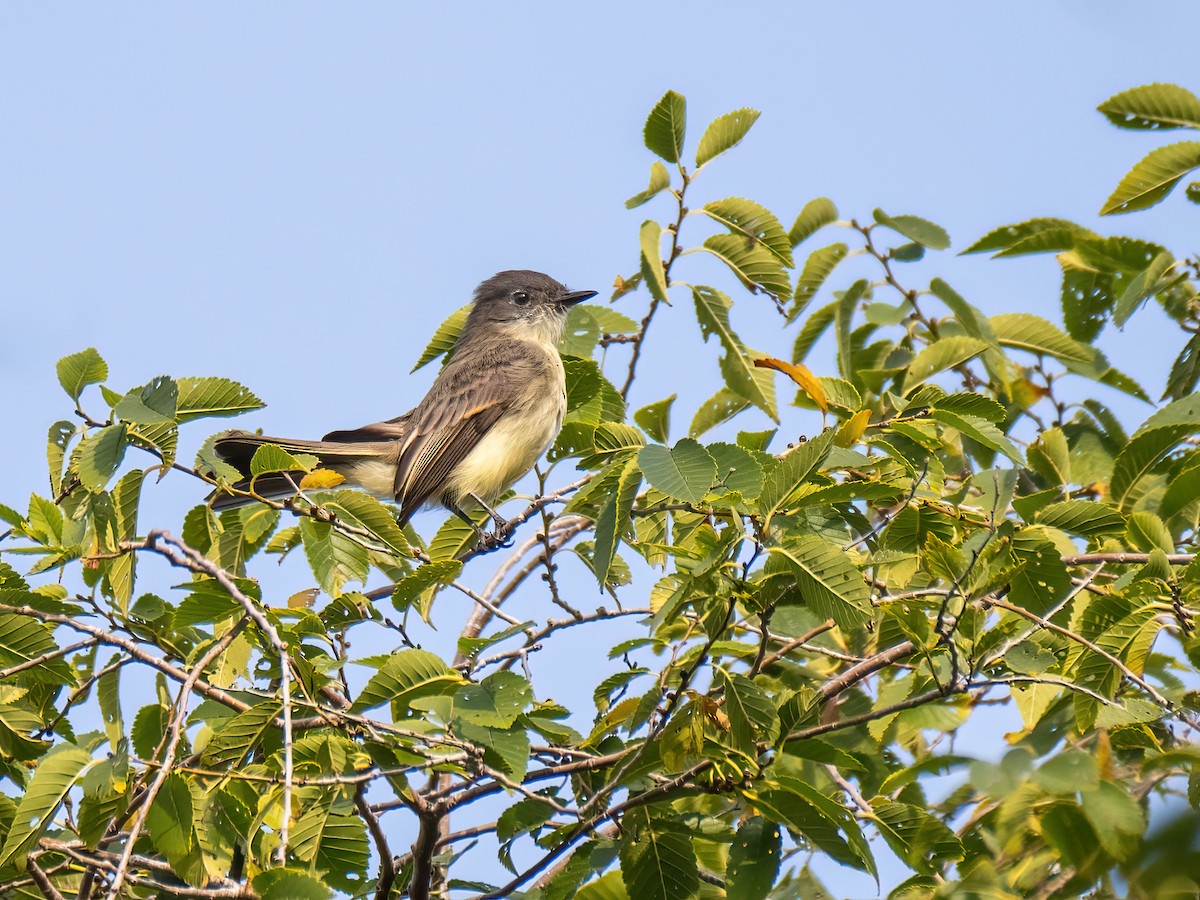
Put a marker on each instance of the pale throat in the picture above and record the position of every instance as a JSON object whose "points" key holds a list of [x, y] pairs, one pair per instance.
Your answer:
{"points": [[542, 329]]}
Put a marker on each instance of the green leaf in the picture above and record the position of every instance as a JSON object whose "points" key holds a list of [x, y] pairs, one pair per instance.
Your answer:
{"points": [[1153, 177], [209, 397], [153, 404], [1153, 107], [723, 133], [816, 215], [655, 419], [169, 819], [660, 180], [753, 860], [980, 430], [653, 272], [921, 840], [1033, 236], [720, 407], [793, 470], [1024, 331], [99, 455], [658, 862], [752, 716], [755, 266], [829, 583], [1117, 818], [270, 458], [77, 371], [1157, 436], [54, 776], [665, 127], [496, 702], [406, 676], [1085, 517], [586, 322], [737, 470], [613, 521], [806, 810], [737, 364], [444, 338], [335, 558], [108, 696], [754, 222], [506, 749], [945, 353], [358, 508], [437, 572], [1143, 286], [240, 734], [685, 471], [289, 884], [923, 232]]}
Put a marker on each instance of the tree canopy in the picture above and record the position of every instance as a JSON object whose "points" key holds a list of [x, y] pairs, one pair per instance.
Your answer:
{"points": [[807, 620]]}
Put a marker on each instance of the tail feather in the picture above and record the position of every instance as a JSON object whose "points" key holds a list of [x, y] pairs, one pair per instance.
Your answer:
{"points": [[237, 448]]}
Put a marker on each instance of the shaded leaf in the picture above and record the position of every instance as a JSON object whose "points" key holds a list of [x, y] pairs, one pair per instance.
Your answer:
{"points": [[665, 127], [723, 133]]}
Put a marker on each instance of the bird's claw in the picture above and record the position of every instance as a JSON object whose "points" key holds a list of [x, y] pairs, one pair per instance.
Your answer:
{"points": [[495, 540]]}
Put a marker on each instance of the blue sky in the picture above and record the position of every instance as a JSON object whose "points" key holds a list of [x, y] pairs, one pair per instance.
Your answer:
{"points": [[294, 195]]}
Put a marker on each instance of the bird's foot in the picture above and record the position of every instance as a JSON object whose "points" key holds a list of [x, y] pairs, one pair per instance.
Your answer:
{"points": [[494, 540]]}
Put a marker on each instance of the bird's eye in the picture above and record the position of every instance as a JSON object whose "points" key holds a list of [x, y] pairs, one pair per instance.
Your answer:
{"points": [[520, 298]]}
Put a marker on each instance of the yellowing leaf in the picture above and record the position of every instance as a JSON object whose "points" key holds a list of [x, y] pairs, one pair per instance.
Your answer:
{"points": [[800, 374], [319, 479], [849, 434], [303, 599]]}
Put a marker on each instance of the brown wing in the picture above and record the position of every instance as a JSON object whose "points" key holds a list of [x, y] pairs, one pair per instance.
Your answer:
{"points": [[468, 398], [392, 430]]}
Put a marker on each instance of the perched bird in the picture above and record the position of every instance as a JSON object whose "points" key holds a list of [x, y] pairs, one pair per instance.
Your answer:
{"points": [[492, 411]]}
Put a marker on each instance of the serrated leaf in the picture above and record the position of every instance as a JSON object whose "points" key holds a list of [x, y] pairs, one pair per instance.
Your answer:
{"points": [[1024, 331], [724, 133], [655, 418], [99, 455], [1021, 234], [793, 470], [753, 860], [169, 819], [737, 470], [752, 716], [980, 430], [55, 775], [208, 397], [270, 458], [755, 266], [1085, 517], [816, 215], [658, 862], [922, 231], [712, 313], [817, 268], [1153, 178], [828, 582], [153, 404], [77, 371], [665, 127], [335, 558], [444, 338], [921, 840], [1143, 286], [660, 180], [685, 471], [754, 222], [613, 522], [720, 407], [1153, 107], [944, 353], [407, 676]]}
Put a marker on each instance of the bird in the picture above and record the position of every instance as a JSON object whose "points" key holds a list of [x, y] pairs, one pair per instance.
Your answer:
{"points": [[494, 409]]}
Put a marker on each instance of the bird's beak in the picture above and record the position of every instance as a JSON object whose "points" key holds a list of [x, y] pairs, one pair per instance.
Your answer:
{"points": [[570, 298]]}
